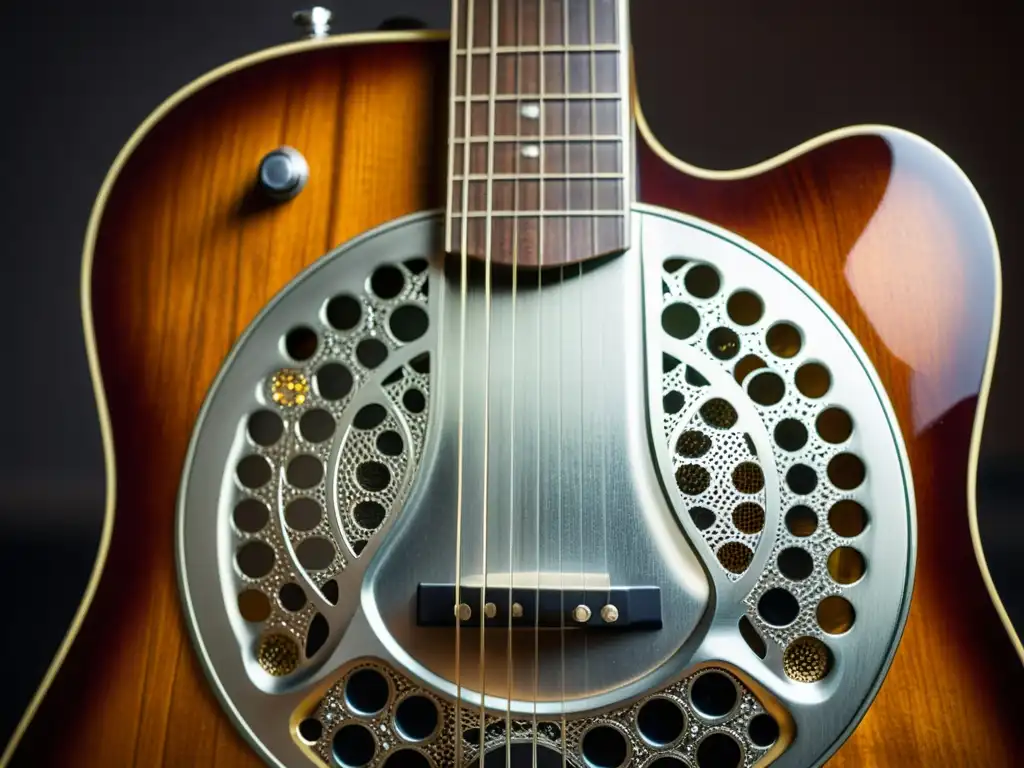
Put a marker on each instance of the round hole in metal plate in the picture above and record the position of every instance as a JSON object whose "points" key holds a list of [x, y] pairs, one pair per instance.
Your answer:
{"points": [[315, 553], [718, 750], [333, 381], [661, 721], [783, 339], [778, 608], [702, 281], [680, 320], [747, 477], [846, 565], [801, 479], [801, 521], [390, 443], [746, 366], [316, 425], [745, 308], [367, 692], [354, 746], [846, 471], [300, 343], [414, 401], [254, 605], [719, 413], [702, 517], [416, 718], [310, 730], [292, 597], [766, 388], [763, 730], [369, 416], [835, 615], [343, 312], [373, 476], [713, 694], [748, 517], [265, 428], [693, 444], [790, 435], [408, 323], [834, 425], [795, 563], [303, 514], [371, 353], [516, 755], [255, 559], [604, 746], [723, 343], [251, 516], [692, 479], [305, 471], [813, 380], [387, 282], [369, 514], [673, 402], [847, 518], [253, 471]]}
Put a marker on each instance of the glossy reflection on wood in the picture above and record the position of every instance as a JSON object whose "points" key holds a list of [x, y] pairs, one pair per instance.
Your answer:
{"points": [[187, 255]]}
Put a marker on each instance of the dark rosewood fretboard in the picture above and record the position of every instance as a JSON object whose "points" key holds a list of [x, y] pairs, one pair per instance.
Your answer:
{"points": [[539, 138]]}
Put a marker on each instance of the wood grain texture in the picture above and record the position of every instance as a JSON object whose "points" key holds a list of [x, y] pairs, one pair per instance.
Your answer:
{"points": [[187, 256], [890, 238]]}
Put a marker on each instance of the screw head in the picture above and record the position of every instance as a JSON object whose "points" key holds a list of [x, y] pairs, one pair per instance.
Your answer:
{"points": [[463, 612], [610, 614], [581, 614]]}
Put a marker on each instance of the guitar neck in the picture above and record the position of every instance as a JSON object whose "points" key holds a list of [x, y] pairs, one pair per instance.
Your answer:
{"points": [[540, 132]]}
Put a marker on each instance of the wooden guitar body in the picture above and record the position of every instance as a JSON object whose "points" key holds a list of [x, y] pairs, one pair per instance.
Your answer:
{"points": [[181, 254]]}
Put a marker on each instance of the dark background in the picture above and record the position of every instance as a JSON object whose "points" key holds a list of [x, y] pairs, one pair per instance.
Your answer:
{"points": [[724, 83]]}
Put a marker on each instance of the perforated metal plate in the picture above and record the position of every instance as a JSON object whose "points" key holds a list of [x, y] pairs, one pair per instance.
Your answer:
{"points": [[719, 434]]}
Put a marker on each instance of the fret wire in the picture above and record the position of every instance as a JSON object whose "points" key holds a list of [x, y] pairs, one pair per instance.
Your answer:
{"points": [[609, 176], [542, 41], [592, 10], [568, 199], [478, 139], [483, 98], [512, 49], [548, 214]]}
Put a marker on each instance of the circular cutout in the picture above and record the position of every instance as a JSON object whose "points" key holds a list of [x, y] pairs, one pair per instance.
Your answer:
{"points": [[763, 730], [835, 615], [251, 516], [367, 692], [747, 477], [747, 366], [713, 694], [343, 313], [371, 353], [702, 281], [390, 443], [702, 517], [416, 718], [354, 746], [301, 343], [680, 321], [387, 282], [801, 521], [693, 444], [254, 606], [692, 479], [734, 556], [407, 758], [834, 425], [253, 471], [748, 517], [310, 730], [255, 559], [723, 343], [719, 750], [373, 476], [661, 722], [801, 479], [316, 425], [414, 401], [408, 323], [795, 564], [806, 660], [369, 416], [745, 308], [783, 340], [604, 746], [369, 514], [668, 761], [813, 380], [333, 381], [315, 553], [278, 655], [719, 413], [673, 402], [778, 607], [302, 514], [790, 435], [292, 597], [304, 471], [846, 471], [847, 518], [265, 428], [845, 565], [766, 388]]}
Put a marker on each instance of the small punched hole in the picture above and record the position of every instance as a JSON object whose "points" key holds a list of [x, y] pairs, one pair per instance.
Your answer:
{"points": [[790, 435], [371, 353], [801, 521], [763, 730], [304, 471], [408, 323], [713, 694], [333, 381], [254, 606], [316, 425], [847, 518], [783, 340], [604, 747], [846, 471], [354, 746], [414, 401], [778, 607], [367, 692], [302, 514], [673, 402], [315, 553], [343, 313], [255, 559], [845, 565], [369, 416], [390, 443], [723, 343], [416, 718], [680, 321], [387, 282], [702, 281], [373, 476], [369, 514], [801, 479], [702, 517], [251, 516], [301, 343], [265, 428], [766, 388], [292, 597], [813, 380], [310, 730], [253, 472], [835, 615], [834, 425], [795, 564], [661, 722], [745, 308]]}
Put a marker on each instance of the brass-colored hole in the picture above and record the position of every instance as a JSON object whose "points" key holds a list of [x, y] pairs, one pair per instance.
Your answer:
{"points": [[807, 660], [254, 605], [783, 340], [278, 655], [834, 425], [846, 471], [745, 308], [813, 380], [748, 477], [847, 518], [723, 343], [735, 557], [835, 615], [746, 366], [719, 413], [692, 479], [289, 388], [693, 444], [845, 565], [801, 521], [748, 517]]}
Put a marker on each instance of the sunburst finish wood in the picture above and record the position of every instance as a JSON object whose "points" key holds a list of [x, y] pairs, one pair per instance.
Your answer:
{"points": [[186, 255]]}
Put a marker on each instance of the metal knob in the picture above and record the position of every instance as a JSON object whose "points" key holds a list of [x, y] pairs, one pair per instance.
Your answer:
{"points": [[315, 21], [283, 173]]}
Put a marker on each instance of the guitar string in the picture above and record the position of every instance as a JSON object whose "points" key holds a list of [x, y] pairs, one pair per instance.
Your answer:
{"points": [[567, 245], [463, 280], [488, 256]]}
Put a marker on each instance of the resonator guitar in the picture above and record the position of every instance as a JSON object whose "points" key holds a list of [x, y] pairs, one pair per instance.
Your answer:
{"points": [[451, 421]]}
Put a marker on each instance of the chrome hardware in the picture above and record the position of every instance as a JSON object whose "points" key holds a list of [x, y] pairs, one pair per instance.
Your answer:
{"points": [[315, 21], [283, 173], [610, 614]]}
